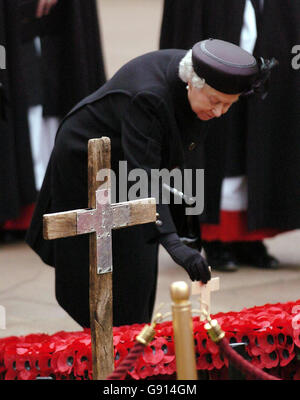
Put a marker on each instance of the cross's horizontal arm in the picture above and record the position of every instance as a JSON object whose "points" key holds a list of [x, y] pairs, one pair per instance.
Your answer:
{"points": [[60, 225], [134, 212]]}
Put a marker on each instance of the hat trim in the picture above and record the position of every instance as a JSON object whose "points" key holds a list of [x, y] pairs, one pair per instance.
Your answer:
{"points": [[207, 52]]}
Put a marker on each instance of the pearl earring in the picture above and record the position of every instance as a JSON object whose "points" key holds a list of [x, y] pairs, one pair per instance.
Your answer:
{"points": [[187, 87]]}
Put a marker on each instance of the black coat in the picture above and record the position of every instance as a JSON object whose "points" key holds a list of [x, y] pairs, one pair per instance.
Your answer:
{"points": [[71, 66], [260, 136], [16, 168], [145, 111]]}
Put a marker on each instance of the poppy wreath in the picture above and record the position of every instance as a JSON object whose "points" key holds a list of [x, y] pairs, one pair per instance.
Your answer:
{"points": [[271, 334]]}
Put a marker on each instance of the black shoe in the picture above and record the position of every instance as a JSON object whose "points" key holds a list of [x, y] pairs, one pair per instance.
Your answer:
{"points": [[254, 254], [220, 256]]}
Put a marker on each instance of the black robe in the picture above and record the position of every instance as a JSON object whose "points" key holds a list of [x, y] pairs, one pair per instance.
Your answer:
{"points": [[16, 169], [145, 111], [70, 69], [72, 62], [268, 129], [71, 66]]}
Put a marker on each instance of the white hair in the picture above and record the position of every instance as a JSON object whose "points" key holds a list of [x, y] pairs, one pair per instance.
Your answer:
{"points": [[187, 73]]}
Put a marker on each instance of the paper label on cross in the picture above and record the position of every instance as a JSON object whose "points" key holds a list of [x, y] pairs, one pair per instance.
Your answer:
{"points": [[204, 292]]}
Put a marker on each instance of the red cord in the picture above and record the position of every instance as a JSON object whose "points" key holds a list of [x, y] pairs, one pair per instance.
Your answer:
{"points": [[243, 365], [237, 360], [128, 362]]}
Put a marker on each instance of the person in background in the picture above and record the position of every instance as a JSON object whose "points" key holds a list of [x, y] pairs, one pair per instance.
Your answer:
{"points": [[18, 192], [60, 59]]}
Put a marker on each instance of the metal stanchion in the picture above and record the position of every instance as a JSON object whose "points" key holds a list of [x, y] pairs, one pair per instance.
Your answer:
{"points": [[183, 332]]}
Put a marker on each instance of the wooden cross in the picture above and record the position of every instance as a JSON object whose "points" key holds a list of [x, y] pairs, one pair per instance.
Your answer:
{"points": [[204, 291], [98, 221]]}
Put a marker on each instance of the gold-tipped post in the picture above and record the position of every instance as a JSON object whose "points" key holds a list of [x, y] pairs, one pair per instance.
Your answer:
{"points": [[183, 332]]}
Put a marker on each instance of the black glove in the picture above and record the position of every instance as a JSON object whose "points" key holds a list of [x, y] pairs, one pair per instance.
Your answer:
{"points": [[190, 259]]}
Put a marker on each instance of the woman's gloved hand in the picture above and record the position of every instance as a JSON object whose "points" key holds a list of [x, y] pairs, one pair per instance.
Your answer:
{"points": [[190, 259]]}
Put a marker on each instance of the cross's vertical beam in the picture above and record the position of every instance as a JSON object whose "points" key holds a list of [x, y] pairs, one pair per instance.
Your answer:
{"points": [[101, 315]]}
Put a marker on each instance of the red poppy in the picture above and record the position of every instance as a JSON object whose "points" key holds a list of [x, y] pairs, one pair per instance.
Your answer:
{"points": [[120, 352], [36, 338], [289, 344], [212, 347], [10, 357], [218, 361], [130, 335], [143, 370], [266, 341], [25, 364], [296, 334], [133, 373], [257, 362], [63, 361], [116, 339], [201, 342], [2, 368], [153, 355], [270, 360], [285, 357], [85, 340], [11, 375], [168, 366], [253, 348], [44, 363], [281, 339], [83, 361], [166, 331], [27, 375], [155, 370], [205, 361]]}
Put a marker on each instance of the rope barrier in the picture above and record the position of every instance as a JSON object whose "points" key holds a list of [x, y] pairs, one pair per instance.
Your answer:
{"points": [[218, 336], [142, 340], [240, 363], [128, 362]]}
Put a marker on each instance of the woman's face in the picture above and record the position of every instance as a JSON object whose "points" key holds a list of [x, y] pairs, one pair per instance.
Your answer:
{"points": [[209, 103]]}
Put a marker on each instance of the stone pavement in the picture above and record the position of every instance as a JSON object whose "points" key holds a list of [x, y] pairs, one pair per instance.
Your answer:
{"points": [[130, 28]]}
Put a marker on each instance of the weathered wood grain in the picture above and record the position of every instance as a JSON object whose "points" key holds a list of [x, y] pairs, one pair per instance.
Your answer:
{"points": [[60, 225], [101, 315], [135, 212]]}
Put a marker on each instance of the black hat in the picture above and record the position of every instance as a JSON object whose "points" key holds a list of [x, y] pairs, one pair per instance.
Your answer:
{"points": [[227, 67]]}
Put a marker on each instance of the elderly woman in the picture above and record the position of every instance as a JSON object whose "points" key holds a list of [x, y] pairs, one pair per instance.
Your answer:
{"points": [[154, 110]]}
